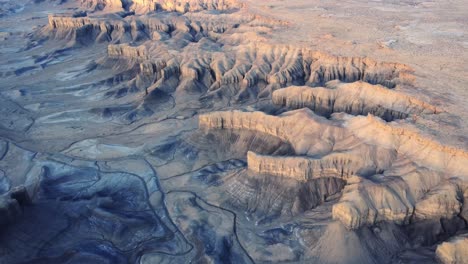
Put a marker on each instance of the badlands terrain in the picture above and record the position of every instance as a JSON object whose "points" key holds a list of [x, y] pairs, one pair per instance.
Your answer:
{"points": [[233, 131]]}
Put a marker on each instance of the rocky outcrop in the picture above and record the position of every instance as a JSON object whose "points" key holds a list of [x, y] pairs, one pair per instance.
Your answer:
{"points": [[62, 21], [454, 251], [210, 60], [98, 5], [424, 193], [365, 202], [90, 29], [392, 173], [306, 132], [248, 71], [184, 6], [340, 166], [352, 69], [125, 50], [393, 199], [422, 149], [358, 98], [252, 71], [145, 6]]}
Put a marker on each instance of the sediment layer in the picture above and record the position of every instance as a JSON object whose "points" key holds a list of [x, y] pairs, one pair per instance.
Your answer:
{"points": [[393, 173], [358, 98]]}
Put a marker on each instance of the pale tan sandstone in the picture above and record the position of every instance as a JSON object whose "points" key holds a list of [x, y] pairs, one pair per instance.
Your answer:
{"points": [[304, 168], [358, 98], [454, 251], [417, 168], [145, 6], [422, 149]]}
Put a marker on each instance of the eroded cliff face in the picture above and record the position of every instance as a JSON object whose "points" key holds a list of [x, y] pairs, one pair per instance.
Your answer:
{"points": [[247, 71], [252, 71], [299, 134], [302, 168], [87, 30], [411, 143], [358, 98], [97, 5], [392, 173], [145, 6]]}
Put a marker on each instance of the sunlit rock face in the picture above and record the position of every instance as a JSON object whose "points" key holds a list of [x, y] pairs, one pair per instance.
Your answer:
{"points": [[194, 131], [453, 251], [358, 98], [145, 6]]}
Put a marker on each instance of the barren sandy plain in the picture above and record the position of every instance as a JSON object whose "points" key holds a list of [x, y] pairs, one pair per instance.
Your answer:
{"points": [[233, 131]]}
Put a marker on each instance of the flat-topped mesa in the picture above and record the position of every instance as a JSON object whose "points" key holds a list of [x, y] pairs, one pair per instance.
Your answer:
{"points": [[184, 6], [358, 98], [85, 30], [393, 199], [256, 70], [108, 5], [307, 132], [148, 23], [421, 149], [325, 68], [287, 64], [418, 181], [68, 21], [123, 30], [145, 6], [304, 168], [127, 51], [425, 190]]}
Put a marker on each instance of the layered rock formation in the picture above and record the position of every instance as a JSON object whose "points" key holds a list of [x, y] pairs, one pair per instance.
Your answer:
{"points": [[145, 6], [393, 174], [97, 5], [184, 6], [299, 134], [340, 166], [256, 70], [392, 198], [225, 65], [358, 98], [87, 30], [454, 251], [412, 144]]}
